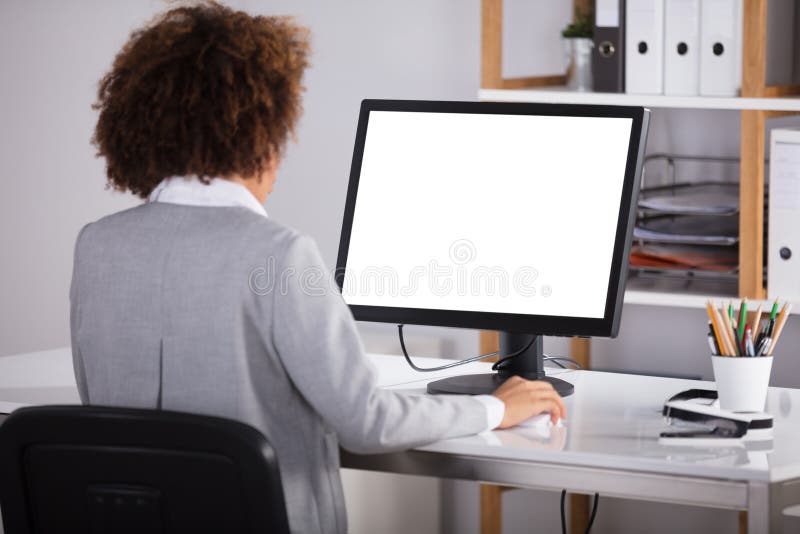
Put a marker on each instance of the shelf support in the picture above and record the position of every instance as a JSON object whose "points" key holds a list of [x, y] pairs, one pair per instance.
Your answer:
{"points": [[491, 44], [754, 48], [751, 172], [751, 206]]}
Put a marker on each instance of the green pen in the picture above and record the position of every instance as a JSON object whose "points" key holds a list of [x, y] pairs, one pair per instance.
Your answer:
{"points": [[742, 318], [774, 311]]}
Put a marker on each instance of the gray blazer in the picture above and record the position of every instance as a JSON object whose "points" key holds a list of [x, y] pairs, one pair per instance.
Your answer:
{"points": [[217, 310]]}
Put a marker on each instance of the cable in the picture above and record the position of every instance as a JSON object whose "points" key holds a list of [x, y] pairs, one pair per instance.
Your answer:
{"points": [[557, 359], [594, 513], [498, 365], [564, 515], [555, 362], [441, 367]]}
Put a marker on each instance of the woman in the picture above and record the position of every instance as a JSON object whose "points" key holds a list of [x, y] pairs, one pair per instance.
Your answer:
{"points": [[194, 117]]}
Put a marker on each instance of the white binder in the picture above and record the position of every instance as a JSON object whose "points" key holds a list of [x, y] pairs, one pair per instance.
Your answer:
{"points": [[644, 46], [783, 251], [682, 47], [720, 47]]}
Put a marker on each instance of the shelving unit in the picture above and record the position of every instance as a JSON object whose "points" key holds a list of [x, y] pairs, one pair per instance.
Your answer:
{"points": [[757, 103]]}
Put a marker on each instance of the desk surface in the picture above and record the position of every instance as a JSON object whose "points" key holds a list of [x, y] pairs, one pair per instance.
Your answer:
{"points": [[614, 420]]}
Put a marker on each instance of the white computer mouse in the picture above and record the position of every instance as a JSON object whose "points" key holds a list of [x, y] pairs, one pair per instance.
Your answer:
{"points": [[539, 421]]}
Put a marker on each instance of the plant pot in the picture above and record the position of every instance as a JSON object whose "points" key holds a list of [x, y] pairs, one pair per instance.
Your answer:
{"points": [[578, 56]]}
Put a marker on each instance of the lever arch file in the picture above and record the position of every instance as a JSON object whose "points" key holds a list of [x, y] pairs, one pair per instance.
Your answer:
{"points": [[783, 254], [608, 54], [682, 47], [644, 46], [720, 47]]}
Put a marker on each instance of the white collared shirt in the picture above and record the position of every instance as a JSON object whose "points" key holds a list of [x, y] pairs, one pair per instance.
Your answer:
{"points": [[190, 191]]}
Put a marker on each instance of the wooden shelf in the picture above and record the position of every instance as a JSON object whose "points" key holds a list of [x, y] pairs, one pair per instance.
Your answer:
{"points": [[562, 95]]}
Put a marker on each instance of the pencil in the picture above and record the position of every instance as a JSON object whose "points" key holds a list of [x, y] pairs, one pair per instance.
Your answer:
{"points": [[715, 326], [782, 318], [756, 320], [725, 331], [728, 330]]}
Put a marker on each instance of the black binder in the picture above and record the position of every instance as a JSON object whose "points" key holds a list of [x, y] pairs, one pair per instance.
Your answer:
{"points": [[608, 54]]}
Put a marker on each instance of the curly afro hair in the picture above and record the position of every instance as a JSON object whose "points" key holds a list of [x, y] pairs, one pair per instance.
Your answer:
{"points": [[204, 91]]}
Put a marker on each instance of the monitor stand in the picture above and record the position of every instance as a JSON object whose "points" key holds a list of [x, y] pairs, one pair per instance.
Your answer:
{"points": [[529, 364]]}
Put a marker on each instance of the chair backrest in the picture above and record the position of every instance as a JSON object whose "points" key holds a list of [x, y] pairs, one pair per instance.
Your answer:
{"points": [[119, 471]]}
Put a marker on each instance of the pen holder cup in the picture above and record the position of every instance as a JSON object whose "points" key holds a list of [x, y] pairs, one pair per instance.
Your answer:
{"points": [[742, 382]]}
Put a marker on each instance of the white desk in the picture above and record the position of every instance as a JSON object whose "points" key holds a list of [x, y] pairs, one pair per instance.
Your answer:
{"points": [[609, 444]]}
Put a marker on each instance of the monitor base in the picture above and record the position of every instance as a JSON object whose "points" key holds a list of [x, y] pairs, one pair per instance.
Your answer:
{"points": [[485, 383]]}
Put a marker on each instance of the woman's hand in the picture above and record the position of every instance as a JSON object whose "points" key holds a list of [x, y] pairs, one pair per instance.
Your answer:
{"points": [[525, 398]]}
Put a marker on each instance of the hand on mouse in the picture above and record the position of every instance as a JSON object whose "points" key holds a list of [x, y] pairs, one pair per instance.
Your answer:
{"points": [[525, 398]]}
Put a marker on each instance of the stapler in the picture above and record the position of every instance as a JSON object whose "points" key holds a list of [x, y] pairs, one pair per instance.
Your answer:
{"points": [[710, 425]]}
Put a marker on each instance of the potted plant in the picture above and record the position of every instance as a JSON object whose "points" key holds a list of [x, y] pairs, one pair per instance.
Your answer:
{"points": [[578, 50]]}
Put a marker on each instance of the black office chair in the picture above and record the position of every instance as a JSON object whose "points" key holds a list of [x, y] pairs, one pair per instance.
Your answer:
{"points": [[76, 469]]}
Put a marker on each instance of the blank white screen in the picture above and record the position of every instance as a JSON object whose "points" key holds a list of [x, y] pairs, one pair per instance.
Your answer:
{"points": [[475, 199]]}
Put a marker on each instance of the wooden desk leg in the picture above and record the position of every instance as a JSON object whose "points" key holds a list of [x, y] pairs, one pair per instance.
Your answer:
{"points": [[579, 504], [491, 509], [743, 522], [491, 495], [578, 513]]}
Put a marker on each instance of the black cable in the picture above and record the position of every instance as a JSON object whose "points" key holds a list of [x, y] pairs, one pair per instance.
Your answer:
{"points": [[557, 359], [594, 513], [441, 367], [498, 364]]}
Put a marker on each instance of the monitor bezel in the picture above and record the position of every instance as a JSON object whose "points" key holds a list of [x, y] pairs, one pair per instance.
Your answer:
{"points": [[608, 325]]}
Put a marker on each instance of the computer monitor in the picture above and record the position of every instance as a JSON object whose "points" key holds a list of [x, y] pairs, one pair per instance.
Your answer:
{"points": [[514, 217]]}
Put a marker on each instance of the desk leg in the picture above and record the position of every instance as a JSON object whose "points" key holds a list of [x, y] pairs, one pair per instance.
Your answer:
{"points": [[578, 513], [763, 509], [579, 504], [491, 495], [491, 509]]}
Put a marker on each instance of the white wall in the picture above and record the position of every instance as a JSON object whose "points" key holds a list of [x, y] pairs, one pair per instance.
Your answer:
{"points": [[51, 55]]}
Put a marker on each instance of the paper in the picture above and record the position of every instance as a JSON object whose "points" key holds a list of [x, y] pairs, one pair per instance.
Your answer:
{"points": [[785, 178], [718, 259], [716, 199], [689, 230]]}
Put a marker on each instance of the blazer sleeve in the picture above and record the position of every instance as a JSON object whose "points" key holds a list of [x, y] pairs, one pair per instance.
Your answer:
{"points": [[317, 341]]}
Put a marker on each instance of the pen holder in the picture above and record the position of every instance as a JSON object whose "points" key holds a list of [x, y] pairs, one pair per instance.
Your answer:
{"points": [[742, 382]]}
